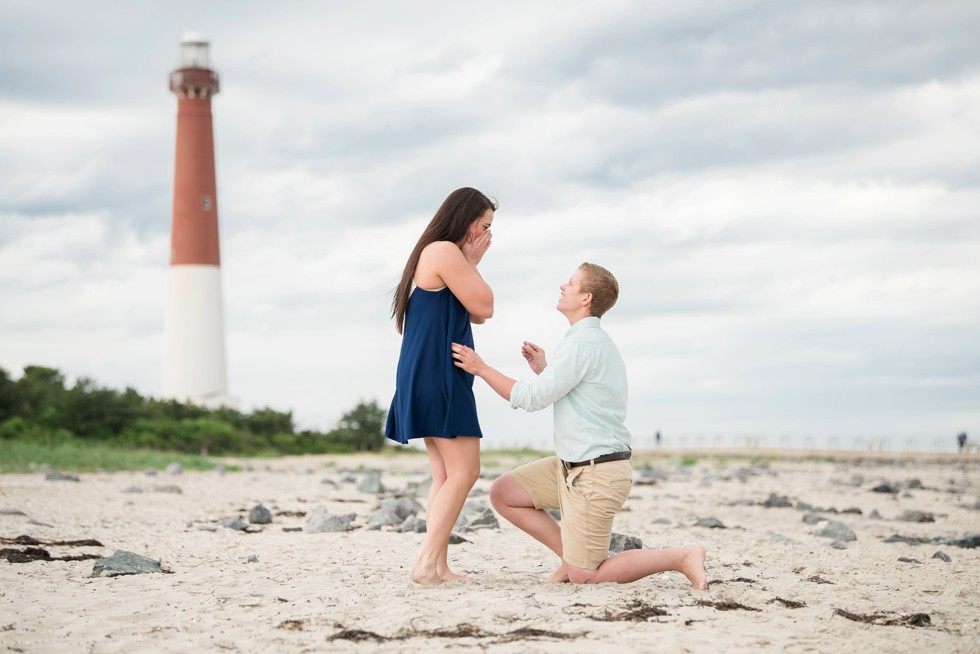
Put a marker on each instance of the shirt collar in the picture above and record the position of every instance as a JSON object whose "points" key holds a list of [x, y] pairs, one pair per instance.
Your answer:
{"points": [[585, 323]]}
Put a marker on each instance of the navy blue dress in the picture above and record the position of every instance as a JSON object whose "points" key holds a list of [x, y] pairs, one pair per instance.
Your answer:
{"points": [[432, 396]]}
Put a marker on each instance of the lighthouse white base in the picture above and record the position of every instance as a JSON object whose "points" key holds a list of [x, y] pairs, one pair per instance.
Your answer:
{"points": [[194, 337]]}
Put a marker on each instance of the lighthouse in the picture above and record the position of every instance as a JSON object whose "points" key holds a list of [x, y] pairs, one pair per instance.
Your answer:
{"points": [[194, 339]]}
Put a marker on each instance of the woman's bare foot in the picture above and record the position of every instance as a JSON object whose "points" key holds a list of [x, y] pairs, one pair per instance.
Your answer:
{"points": [[449, 575], [425, 576], [693, 567]]}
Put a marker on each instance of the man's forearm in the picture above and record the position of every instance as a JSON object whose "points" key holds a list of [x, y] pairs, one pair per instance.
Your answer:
{"points": [[498, 381]]}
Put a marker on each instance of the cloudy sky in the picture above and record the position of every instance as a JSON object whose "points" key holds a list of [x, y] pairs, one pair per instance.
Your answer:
{"points": [[789, 194]]}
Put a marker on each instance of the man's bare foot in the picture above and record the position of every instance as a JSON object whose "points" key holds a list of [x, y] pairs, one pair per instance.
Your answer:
{"points": [[424, 576], [693, 567], [559, 576]]}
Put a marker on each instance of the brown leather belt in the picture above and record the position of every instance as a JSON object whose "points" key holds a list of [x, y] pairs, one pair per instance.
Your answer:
{"points": [[605, 458]]}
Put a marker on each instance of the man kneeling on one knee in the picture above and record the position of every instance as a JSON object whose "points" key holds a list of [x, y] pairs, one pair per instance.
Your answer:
{"points": [[590, 477]]}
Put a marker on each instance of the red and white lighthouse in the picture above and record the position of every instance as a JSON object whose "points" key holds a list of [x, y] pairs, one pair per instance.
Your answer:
{"points": [[194, 339]]}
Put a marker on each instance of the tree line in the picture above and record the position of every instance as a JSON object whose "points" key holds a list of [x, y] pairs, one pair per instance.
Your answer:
{"points": [[39, 406]]}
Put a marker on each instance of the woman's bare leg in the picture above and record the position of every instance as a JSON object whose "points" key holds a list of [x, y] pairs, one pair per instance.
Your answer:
{"points": [[461, 461], [438, 468]]}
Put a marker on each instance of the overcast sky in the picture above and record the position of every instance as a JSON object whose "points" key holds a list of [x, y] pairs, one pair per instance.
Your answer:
{"points": [[789, 194]]}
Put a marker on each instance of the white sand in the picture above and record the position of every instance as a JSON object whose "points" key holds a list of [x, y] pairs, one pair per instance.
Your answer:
{"points": [[306, 588]]}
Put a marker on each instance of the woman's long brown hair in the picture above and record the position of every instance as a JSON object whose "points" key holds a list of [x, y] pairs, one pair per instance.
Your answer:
{"points": [[453, 218]]}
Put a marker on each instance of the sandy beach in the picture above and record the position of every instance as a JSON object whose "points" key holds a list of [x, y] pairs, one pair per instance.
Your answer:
{"points": [[776, 582]]}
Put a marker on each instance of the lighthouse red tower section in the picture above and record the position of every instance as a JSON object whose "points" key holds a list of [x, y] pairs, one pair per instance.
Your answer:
{"points": [[194, 229]]}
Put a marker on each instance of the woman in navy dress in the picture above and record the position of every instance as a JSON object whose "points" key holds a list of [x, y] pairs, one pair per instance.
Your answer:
{"points": [[440, 294]]}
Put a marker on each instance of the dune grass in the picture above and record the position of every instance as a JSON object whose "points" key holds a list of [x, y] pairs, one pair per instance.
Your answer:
{"points": [[23, 456]]}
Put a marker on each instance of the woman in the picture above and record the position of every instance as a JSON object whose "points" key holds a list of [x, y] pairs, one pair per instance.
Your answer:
{"points": [[440, 294]]}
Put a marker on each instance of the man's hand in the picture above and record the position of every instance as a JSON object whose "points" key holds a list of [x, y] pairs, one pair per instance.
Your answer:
{"points": [[467, 359], [474, 249], [534, 356]]}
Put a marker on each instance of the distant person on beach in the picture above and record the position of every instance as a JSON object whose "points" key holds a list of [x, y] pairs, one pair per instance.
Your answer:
{"points": [[658, 439], [961, 440], [441, 292], [590, 477]]}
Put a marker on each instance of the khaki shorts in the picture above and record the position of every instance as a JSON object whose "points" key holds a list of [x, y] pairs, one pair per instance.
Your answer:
{"points": [[589, 498]]}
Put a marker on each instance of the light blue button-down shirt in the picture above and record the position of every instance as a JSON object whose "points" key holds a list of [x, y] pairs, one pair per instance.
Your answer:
{"points": [[586, 381]]}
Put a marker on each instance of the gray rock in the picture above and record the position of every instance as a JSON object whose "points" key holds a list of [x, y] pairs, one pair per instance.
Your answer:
{"points": [[622, 542], [776, 501], [742, 502], [385, 516], [836, 530], [329, 482], [418, 488], [347, 479], [970, 541], [711, 523], [175, 469], [474, 506], [662, 521], [259, 515], [133, 489], [916, 516], [150, 472], [205, 528], [913, 483], [234, 523], [838, 545], [803, 506], [61, 476], [486, 520], [911, 540], [125, 563], [371, 483], [324, 523], [168, 489], [11, 512], [412, 524], [905, 559], [220, 469], [654, 474], [943, 556], [406, 506], [874, 515], [853, 510], [812, 519], [456, 539], [779, 538], [252, 559], [885, 487]]}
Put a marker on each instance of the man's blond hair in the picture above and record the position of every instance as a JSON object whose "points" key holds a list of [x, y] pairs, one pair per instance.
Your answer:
{"points": [[603, 286]]}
